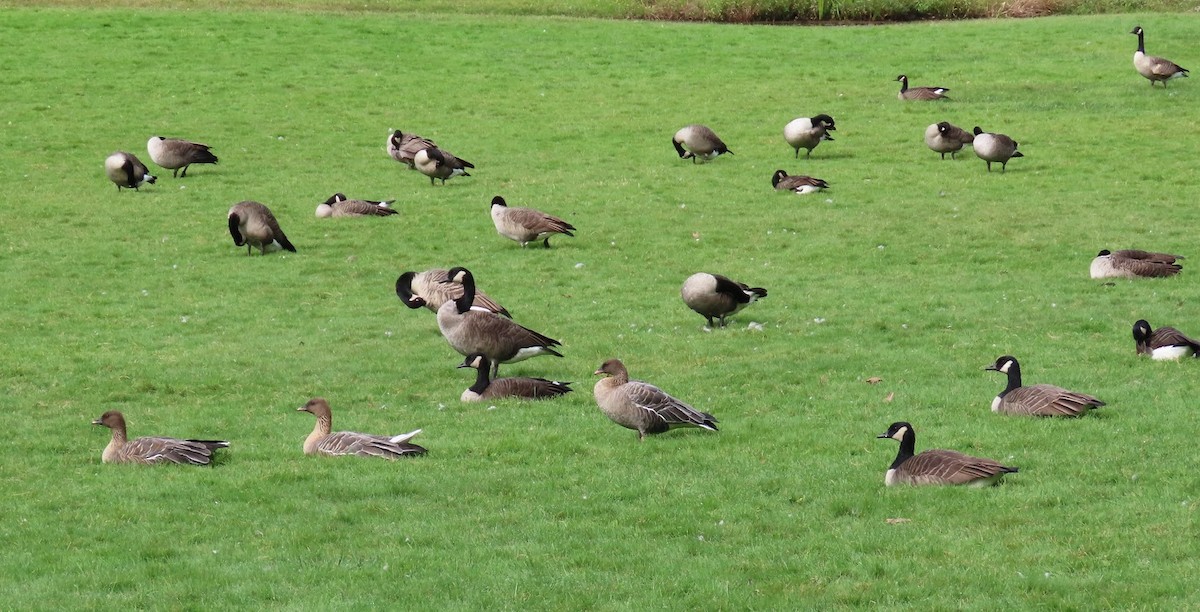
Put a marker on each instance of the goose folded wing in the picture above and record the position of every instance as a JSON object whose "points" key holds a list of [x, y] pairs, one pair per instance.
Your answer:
{"points": [[365, 445], [1169, 336], [173, 450], [666, 409], [940, 466]]}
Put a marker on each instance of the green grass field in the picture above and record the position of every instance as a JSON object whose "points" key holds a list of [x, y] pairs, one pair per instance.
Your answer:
{"points": [[912, 269]]}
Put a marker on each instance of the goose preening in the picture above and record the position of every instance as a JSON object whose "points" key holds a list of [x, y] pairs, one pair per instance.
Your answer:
{"points": [[920, 93], [937, 466], [713, 295], [994, 148], [797, 183], [519, 387], [698, 142], [126, 170], [175, 154], [808, 132], [641, 406], [1037, 400], [324, 442], [252, 224], [1163, 343], [1156, 69], [153, 450], [338, 205], [525, 225], [1134, 263], [432, 288], [404, 147], [945, 137], [439, 164]]}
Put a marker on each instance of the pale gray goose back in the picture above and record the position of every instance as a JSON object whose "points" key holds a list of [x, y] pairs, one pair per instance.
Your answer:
{"points": [[1134, 263], [994, 148], [151, 450], [797, 183], [175, 154], [945, 137], [404, 147], [1163, 343], [698, 142], [338, 205], [252, 224], [714, 295], [440, 164], [525, 225], [125, 170], [516, 387], [323, 441], [641, 406], [937, 466], [920, 93], [1156, 69], [808, 132], [1037, 400], [433, 287]]}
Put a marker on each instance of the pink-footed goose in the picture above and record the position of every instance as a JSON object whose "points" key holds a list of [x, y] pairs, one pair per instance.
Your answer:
{"points": [[323, 441], [152, 450], [641, 406]]}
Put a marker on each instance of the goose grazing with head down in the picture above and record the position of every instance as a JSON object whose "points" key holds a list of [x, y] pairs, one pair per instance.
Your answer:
{"points": [[797, 183], [1037, 400], [945, 137], [338, 205], [252, 224], [323, 442], [937, 466], [153, 450], [176, 153], [994, 148], [432, 288], [1163, 343], [518, 387], [920, 93], [1134, 263], [1156, 69], [698, 142], [440, 164], [525, 225], [808, 132], [404, 147], [125, 170], [641, 406], [713, 295]]}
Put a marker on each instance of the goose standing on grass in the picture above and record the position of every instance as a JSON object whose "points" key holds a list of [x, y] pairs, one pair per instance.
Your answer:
{"points": [[526, 225], [1134, 263], [1163, 343], [176, 153], [153, 450], [808, 132], [404, 147], [126, 170], [322, 442], [1037, 400], [338, 205], [641, 406], [1156, 69], [945, 137], [699, 141], [713, 295], [475, 331], [252, 224], [438, 164], [937, 466], [431, 289], [797, 183], [920, 93], [994, 148], [518, 387]]}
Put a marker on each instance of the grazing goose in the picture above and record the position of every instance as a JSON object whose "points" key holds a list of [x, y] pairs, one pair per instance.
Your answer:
{"points": [[338, 205], [431, 289], [798, 183], [1037, 400], [126, 170], [176, 153], [527, 225], [920, 93], [808, 132], [994, 148], [322, 442], [253, 225], [641, 406], [475, 331], [518, 387], [1156, 69], [1163, 343], [438, 164], [937, 466], [1134, 263], [404, 147], [700, 141], [713, 295], [153, 450], [945, 137]]}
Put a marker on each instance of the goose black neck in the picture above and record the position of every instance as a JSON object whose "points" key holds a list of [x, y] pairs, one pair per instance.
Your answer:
{"points": [[908, 445], [1141, 42], [468, 297], [1014, 378], [482, 380]]}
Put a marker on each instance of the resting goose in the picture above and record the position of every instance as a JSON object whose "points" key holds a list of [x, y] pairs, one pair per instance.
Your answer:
{"points": [[126, 170], [176, 153], [322, 442], [713, 295], [338, 205], [1134, 263], [153, 450], [1156, 69], [525, 225], [808, 132], [994, 148], [431, 289], [920, 93], [797, 183], [1163, 343], [439, 164], [945, 137], [404, 147], [253, 225], [1037, 400], [700, 142], [641, 406], [518, 387], [937, 466]]}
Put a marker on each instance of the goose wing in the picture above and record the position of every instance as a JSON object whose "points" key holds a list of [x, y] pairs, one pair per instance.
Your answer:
{"points": [[362, 208], [1146, 267], [1141, 255], [527, 387], [1169, 336], [539, 222], [496, 334], [947, 467], [664, 411], [367, 445], [170, 450], [1048, 400]]}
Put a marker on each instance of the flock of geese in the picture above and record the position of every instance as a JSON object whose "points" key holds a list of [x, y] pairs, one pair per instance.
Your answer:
{"points": [[484, 333]]}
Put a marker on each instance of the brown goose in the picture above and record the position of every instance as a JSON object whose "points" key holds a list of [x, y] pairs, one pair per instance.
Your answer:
{"points": [[440, 164], [403, 147], [126, 170], [713, 295], [322, 442], [1134, 263], [338, 205], [994, 148], [641, 406], [431, 289], [937, 466], [1156, 69], [797, 183], [153, 450], [920, 93], [808, 132], [1037, 400], [175, 153], [518, 387], [700, 141], [945, 137], [1163, 343], [526, 225], [253, 225]]}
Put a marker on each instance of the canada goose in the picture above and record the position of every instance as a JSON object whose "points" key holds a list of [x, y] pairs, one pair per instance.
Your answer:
{"points": [[641, 406], [808, 132], [920, 93], [994, 148], [474, 331], [431, 289], [403, 147], [701, 142], [322, 442], [126, 170], [438, 164], [945, 137], [1037, 400], [518, 387], [526, 225], [338, 205], [153, 450], [1134, 263], [798, 183], [713, 295], [1163, 343], [252, 224], [1157, 69], [937, 466], [176, 153]]}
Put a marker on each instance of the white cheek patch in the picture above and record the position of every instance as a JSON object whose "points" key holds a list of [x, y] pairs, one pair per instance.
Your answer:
{"points": [[899, 435], [1004, 368]]}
